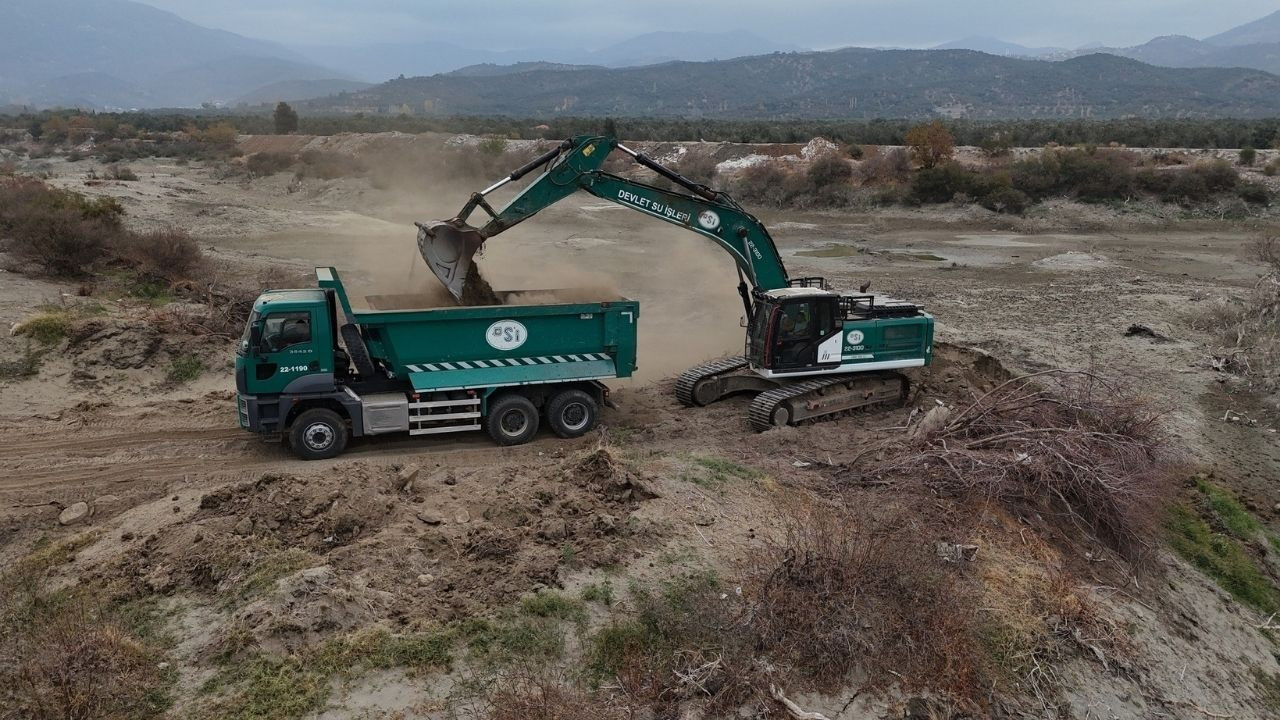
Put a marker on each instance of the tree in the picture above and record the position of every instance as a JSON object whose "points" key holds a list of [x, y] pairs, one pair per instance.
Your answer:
{"points": [[224, 133], [931, 144], [286, 119]]}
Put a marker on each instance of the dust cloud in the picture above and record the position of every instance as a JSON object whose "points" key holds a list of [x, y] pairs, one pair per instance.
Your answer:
{"points": [[576, 251], [687, 287]]}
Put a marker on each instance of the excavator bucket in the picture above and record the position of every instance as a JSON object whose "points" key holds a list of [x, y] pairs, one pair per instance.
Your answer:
{"points": [[448, 247]]}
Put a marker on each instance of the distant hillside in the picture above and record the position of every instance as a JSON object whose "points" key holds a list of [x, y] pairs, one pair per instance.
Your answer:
{"points": [[1181, 51], [995, 46], [490, 69], [116, 53], [1264, 30], [383, 61], [294, 90], [850, 83]]}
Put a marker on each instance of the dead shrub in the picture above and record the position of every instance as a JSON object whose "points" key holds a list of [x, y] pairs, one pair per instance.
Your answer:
{"points": [[329, 165], [526, 694], [697, 165], [168, 255], [79, 665], [686, 641], [1083, 448], [893, 166], [842, 594], [269, 163], [762, 183], [67, 655], [62, 233], [1250, 330]]}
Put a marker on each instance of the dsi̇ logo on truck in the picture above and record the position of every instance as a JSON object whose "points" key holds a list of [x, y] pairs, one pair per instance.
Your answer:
{"points": [[506, 335]]}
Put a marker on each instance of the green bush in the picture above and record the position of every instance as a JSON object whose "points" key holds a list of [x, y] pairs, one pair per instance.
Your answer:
{"points": [[1187, 188], [185, 368], [1248, 156], [1254, 193], [1090, 175], [829, 170], [1218, 175], [1006, 200], [46, 328], [941, 183]]}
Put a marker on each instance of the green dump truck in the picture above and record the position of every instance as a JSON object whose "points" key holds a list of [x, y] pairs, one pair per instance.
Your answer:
{"points": [[314, 371]]}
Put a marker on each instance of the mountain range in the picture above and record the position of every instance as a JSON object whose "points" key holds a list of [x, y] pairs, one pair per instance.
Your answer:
{"points": [[125, 54], [116, 53], [850, 83], [1252, 45]]}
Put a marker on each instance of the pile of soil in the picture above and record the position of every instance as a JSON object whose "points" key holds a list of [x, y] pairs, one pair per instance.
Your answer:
{"points": [[360, 543]]}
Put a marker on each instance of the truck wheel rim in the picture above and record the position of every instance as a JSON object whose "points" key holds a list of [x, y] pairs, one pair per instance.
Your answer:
{"points": [[574, 416], [318, 436], [513, 423]]}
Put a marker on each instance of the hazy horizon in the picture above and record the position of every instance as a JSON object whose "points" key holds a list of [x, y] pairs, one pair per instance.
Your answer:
{"points": [[495, 25]]}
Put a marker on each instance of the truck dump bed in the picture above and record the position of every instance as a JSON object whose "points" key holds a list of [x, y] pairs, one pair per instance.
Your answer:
{"points": [[459, 348]]}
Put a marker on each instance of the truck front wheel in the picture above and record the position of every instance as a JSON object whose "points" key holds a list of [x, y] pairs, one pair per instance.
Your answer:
{"points": [[572, 413], [513, 420], [318, 434]]}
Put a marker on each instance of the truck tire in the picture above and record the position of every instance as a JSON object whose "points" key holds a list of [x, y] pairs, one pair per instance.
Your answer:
{"points": [[318, 434], [512, 420], [356, 349], [572, 413]]}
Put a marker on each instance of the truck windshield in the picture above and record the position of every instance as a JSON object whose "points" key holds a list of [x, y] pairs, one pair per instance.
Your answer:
{"points": [[243, 347]]}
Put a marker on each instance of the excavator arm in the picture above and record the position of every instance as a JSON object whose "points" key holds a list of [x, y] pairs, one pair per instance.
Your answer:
{"points": [[448, 246]]}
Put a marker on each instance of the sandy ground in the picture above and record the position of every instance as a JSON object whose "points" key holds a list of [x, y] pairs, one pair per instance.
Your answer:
{"points": [[1059, 288]]}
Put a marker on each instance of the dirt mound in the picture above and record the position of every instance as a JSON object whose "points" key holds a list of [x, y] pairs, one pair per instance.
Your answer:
{"points": [[302, 512]]}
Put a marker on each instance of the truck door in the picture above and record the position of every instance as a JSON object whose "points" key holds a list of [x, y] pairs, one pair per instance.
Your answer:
{"points": [[286, 350]]}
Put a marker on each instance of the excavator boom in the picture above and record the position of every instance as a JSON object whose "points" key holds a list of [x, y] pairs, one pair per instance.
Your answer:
{"points": [[449, 245]]}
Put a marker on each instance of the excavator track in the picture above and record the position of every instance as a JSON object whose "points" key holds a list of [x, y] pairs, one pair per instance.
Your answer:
{"points": [[687, 384], [821, 399]]}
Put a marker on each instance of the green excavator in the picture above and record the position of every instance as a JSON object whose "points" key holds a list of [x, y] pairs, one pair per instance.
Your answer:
{"points": [[811, 352]]}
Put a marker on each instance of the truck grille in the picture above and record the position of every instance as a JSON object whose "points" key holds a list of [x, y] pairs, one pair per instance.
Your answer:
{"points": [[242, 409]]}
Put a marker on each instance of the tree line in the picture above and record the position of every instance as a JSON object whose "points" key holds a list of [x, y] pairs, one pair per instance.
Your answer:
{"points": [[1210, 134]]}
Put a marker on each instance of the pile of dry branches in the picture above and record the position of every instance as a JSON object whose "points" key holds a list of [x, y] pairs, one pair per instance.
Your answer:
{"points": [[1252, 329], [1060, 442]]}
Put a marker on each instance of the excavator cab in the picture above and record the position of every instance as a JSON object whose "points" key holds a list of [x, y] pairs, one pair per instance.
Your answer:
{"points": [[794, 330]]}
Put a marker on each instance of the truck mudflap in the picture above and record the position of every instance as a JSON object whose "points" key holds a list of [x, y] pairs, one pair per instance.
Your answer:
{"points": [[505, 372]]}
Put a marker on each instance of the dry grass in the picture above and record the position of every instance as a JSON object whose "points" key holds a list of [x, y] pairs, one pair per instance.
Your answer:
{"points": [[844, 594], [528, 694], [1084, 451], [68, 654], [1250, 330]]}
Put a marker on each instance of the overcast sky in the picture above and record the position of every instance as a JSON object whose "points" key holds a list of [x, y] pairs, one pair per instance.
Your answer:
{"points": [[591, 24]]}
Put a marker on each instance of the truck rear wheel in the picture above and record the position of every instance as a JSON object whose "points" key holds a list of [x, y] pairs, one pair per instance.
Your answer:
{"points": [[572, 413], [318, 434], [512, 420]]}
